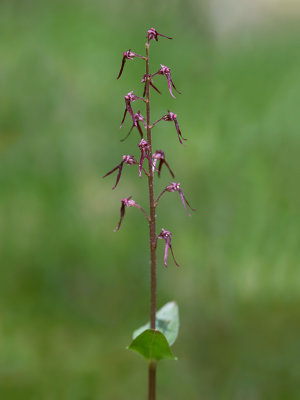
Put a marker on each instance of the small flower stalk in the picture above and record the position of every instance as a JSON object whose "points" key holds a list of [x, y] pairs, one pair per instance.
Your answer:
{"points": [[151, 163]]}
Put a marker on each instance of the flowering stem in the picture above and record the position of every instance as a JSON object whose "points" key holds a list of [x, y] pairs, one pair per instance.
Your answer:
{"points": [[152, 231]]}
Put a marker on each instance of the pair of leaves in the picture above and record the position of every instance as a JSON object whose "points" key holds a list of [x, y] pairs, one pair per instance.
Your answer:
{"points": [[155, 344]]}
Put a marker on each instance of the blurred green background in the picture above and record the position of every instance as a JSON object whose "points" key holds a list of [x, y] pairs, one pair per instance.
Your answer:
{"points": [[72, 290]]}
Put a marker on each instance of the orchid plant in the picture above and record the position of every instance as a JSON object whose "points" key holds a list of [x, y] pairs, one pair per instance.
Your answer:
{"points": [[154, 339]]}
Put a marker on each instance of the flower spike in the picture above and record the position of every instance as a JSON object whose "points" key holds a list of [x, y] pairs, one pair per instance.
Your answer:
{"points": [[130, 98], [167, 72], [153, 34], [167, 236], [130, 160], [137, 117], [160, 155], [128, 55]]}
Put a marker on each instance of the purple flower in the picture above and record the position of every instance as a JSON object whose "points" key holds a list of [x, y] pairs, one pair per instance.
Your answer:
{"points": [[129, 160], [127, 202], [128, 55], [167, 72], [130, 98], [137, 117], [167, 236], [175, 187], [144, 147], [160, 155], [151, 84], [153, 34], [171, 117]]}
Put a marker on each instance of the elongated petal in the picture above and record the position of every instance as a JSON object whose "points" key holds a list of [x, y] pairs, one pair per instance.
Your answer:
{"points": [[159, 166], [173, 256], [122, 66], [166, 253], [128, 106], [179, 131], [175, 87], [122, 140], [155, 88], [170, 86], [183, 200], [164, 36], [119, 174], [141, 163], [139, 129], [122, 212], [193, 209], [167, 165], [113, 170], [125, 112]]}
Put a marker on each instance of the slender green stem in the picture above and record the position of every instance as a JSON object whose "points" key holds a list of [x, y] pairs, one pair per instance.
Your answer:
{"points": [[152, 233]]}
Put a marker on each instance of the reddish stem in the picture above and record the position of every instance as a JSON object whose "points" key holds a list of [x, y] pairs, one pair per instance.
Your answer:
{"points": [[152, 232]]}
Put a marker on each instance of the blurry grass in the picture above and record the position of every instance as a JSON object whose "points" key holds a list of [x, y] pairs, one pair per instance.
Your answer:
{"points": [[71, 291]]}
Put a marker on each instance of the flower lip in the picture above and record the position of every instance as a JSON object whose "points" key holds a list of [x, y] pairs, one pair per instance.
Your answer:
{"points": [[167, 236]]}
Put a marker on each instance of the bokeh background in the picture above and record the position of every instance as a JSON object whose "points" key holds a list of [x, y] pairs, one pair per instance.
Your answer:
{"points": [[72, 290]]}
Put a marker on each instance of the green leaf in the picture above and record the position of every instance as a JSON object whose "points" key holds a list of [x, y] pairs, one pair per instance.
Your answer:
{"points": [[153, 345], [167, 322]]}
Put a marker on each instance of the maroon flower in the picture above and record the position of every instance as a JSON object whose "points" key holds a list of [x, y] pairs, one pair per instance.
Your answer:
{"points": [[175, 187], [167, 72], [153, 34], [144, 147], [130, 98], [127, 202], [128, 55], [160, 155], [127, 160], [151, 84], [171, 117], [167, 236], [137, 117]]}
